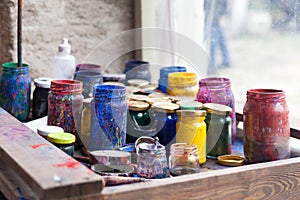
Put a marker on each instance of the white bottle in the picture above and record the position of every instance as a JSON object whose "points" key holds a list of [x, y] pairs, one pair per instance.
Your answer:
{"points": [[64, 62]]}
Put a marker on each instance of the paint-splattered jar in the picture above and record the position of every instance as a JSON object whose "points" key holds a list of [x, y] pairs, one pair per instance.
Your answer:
{"points": [[266, 126], [218, 134], [184, 159], [109, 118], [88, 79], [163, 78], [40, 97], [65, 106], [137, 69], [15, 85], [182, 84], [64, 141], [191, 129], [218, 90], [151, 160]]}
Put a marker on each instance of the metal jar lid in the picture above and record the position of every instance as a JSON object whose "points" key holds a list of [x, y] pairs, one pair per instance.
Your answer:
{"points": [[165, 107], [138, 97], [138, 105]]}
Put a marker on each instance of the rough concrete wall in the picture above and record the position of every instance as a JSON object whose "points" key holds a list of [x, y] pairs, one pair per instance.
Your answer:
{"points": [[85, 23]]}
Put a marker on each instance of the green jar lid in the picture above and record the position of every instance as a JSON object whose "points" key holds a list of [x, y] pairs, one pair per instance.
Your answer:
{"points": [[190, 105], [61, 138]]}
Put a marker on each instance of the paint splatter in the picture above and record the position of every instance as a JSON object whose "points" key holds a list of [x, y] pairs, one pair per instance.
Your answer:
{"points": [[71, 163], [38, 145]]}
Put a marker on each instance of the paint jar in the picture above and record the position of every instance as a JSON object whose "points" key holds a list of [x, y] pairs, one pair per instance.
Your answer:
{"points": [[64, 141], [137, 121], [218, 133], [266, 126], [184, 159], [151, 160], [87, 67], [191, 129], [45, 130], [165, 116], [137, 69], [15, 85], [65, 106], [88, 79], [108, 129], [85, 127], [163, 76], [182, 84], [40, 97], [218, 90]]}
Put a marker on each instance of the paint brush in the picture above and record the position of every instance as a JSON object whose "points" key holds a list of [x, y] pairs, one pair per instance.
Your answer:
{"points": [[118, 180], [19, 33]]}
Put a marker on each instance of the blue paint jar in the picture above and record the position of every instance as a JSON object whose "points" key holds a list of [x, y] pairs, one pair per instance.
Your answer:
{"points": [[109, 117], [163, 78], [165, 116], [137, 69], [15, 85], [88, 79]]}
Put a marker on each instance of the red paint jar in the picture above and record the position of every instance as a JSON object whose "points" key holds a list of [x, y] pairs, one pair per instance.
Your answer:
{"points": [[266, 126]]}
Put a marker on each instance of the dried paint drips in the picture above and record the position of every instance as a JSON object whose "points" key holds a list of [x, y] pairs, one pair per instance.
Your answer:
{"points": [[39, 145], [70, 163]]}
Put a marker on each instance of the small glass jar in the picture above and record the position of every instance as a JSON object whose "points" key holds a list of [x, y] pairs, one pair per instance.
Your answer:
{"points": [[163, 78], [191, 129], [65, 106], [218, 134], [88, 79], [64, 141], [15, 86], [184, 159], [40, 97], [182, 84], [137, 69], [45, 130]]}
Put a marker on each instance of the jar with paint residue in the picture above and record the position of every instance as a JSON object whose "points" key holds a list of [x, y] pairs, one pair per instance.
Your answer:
{"points": [[163, 78], [87, 67], [64, 141], [88, 79], [191, 129], [166, 117], [218, 133], [40, 97], [218, 90], [65, 106], [182, 84], [266, 126], [151, 160], [137, 69], [109, 118], [184, 159], [15, 85]]}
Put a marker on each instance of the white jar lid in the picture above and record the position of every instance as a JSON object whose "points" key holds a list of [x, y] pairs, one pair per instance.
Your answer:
{"points": [[45, 130], [43, 82]]}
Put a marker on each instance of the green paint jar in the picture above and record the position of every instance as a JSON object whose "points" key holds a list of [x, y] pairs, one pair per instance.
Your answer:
{"points": [[218, 121], [64, 141]]}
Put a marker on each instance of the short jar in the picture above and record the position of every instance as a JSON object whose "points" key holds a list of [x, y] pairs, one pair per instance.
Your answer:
{"points": [[64, 141]]}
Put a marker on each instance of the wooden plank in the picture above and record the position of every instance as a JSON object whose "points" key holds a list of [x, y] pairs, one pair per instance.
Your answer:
{"points": [[48, 172]]}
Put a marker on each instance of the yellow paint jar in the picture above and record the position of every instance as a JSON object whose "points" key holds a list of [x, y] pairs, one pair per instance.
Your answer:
{"points": [[191, 129], [182, 84]]}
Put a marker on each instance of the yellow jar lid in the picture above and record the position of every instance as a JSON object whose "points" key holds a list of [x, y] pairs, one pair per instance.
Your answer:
{"points": [[61, 138], [217, 108], [138, 105]]}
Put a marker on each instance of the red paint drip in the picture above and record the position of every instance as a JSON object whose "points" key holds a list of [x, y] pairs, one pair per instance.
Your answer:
{"points": [[38, 145], [69, 164]]}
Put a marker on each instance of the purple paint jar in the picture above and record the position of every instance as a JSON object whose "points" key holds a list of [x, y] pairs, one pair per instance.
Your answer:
{"points": [[65, 103], [15, 85], [218, 90]]}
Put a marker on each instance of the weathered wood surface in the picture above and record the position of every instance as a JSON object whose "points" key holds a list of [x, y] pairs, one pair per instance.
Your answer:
{"points": [[42, 170]]}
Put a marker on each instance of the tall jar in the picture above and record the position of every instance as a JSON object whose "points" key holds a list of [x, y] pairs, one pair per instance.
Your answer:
{"points": [[137, 69], [191, 129], [15, 85], [163, 78], [109, 117], [88, 79], [218, 131], [65, 106], [182, 84], [218, 90], [266, 126]]}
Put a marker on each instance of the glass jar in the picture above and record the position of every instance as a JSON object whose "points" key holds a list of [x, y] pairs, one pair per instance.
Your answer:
{"points": [[163, 78], [184, 159], [88, 79], [266, 126], [151, 158], [85, 127], [165, 116], [40, 97], [218, 131], [182, 84], [64, 141], [218, 90], [65, 106], [191, 129], [137, 69], [87, 67], [15, 85], [109, 118]]}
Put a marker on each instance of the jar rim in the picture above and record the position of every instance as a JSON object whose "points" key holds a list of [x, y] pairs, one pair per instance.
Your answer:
{"points": [[266, 94], [215, 81], [66, 86], [13, 66]]}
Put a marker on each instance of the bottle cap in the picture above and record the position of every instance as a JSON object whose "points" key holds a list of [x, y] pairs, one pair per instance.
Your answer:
{"points": [[61, 138], [165, 107], [64, 47], [43, 82], [138, 105]]}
